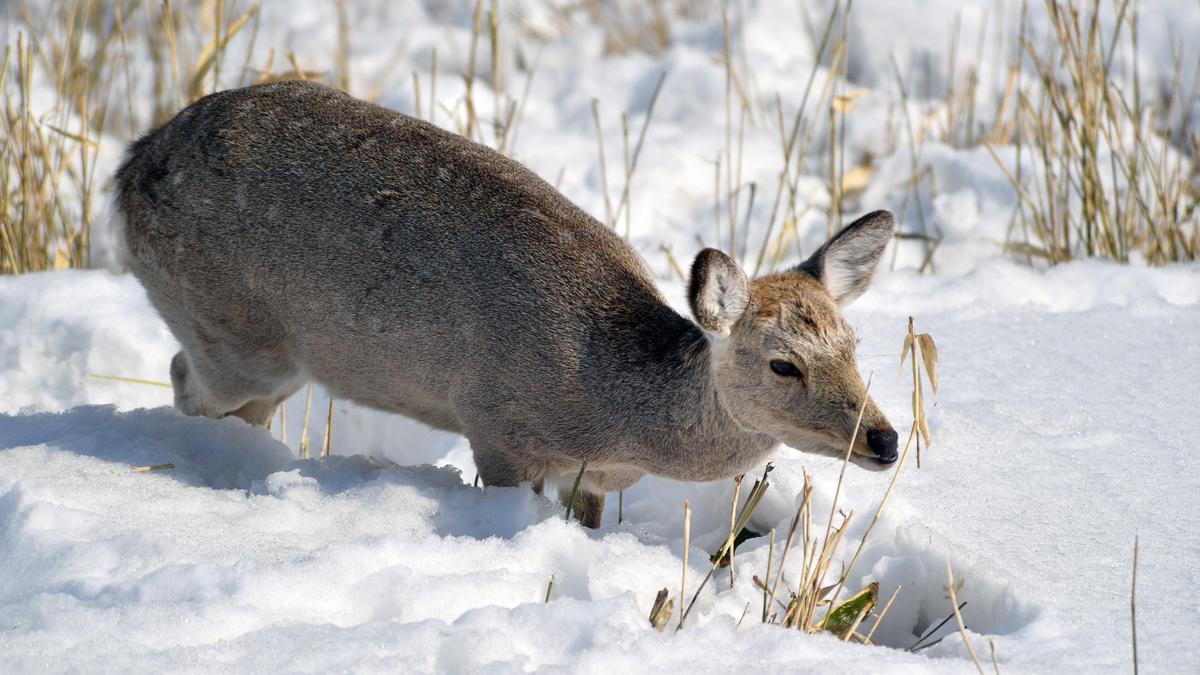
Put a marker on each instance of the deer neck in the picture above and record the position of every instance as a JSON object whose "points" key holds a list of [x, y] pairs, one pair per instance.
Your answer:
{"points": [[697, 439]]}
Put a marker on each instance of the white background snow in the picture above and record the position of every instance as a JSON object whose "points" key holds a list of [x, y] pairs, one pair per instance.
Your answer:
{"points": [[1065, 424]]}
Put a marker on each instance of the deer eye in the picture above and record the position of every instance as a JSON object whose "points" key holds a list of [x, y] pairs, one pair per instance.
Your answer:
{"points": [[785, 369]]}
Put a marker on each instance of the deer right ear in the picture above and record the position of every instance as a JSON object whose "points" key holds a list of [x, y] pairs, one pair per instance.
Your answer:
{"points": [[846, 263], [718, 291]]}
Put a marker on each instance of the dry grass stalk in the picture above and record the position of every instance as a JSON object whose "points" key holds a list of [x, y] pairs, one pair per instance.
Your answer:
{"points": [[155, 467], [788, 182], [729, 185], [745, 611], [498, 122], [304, 427], [631, 160], [1110, 185], [687, 543], [416, 76], [342, 57], [1133, 605], [631, 27], [953, 591], [724, 556], [737, 490], [916, 145], [862, 408], [878, 511], [882, 613], [283, 423], [513, 127], [805, 502], [837, 141], [133, 380], [327, 441], [211, 56], [608, 207], [469, 76], [924, 350], [433, 87], [766, 593], [575, 490]]}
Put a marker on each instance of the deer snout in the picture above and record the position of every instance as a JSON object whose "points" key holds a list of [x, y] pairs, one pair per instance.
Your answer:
{"points": [[882, 444]]}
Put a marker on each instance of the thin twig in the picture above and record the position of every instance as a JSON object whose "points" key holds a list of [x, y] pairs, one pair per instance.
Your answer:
{"points": [[766, 592], [882, 613], [933, 630], [1133, 604], [575, 489]]}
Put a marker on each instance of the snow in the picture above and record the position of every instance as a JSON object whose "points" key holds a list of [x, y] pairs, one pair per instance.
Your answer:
{"points": [[1049, 456], [1064, 423]]}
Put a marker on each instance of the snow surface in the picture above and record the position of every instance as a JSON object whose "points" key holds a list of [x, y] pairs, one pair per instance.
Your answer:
{"points": [[1064, 425]]}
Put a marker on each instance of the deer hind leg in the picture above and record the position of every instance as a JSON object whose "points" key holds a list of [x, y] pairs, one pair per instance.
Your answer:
{"points": [[217, 383], [589, 506]]}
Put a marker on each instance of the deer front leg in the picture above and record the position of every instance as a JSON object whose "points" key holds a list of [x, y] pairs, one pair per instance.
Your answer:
{"points": [[589, 506]]}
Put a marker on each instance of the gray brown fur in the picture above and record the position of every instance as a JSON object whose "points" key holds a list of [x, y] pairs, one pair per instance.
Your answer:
{"points": [[288, 232]]}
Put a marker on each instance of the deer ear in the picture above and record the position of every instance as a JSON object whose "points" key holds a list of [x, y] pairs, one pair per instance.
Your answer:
{"points": [[846, 263], [718, 291]]}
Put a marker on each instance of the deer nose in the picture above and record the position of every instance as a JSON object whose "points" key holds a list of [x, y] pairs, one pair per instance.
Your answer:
{"points": [[882, 442]]}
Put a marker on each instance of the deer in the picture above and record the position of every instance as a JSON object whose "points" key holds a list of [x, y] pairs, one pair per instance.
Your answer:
{"points": [[289, 233]]}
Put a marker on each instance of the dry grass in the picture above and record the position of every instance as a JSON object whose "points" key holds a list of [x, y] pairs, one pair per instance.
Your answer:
{"points": [[48, 179], [88, 50], [1115, 174], [46, 172], [1103, 168], [630, 25]]}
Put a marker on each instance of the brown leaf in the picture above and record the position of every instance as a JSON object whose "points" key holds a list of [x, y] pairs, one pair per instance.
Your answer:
{"points": [[908, 343], [661, 612], [922, 422], [845, 103], [929, 356], [856, 179]]}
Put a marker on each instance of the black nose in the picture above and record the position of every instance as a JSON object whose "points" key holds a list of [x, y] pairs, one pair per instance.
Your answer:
{"points": [[882, 442]]}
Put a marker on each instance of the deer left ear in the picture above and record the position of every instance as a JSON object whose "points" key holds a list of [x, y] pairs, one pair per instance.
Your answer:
{"points": [[846, 263]]}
